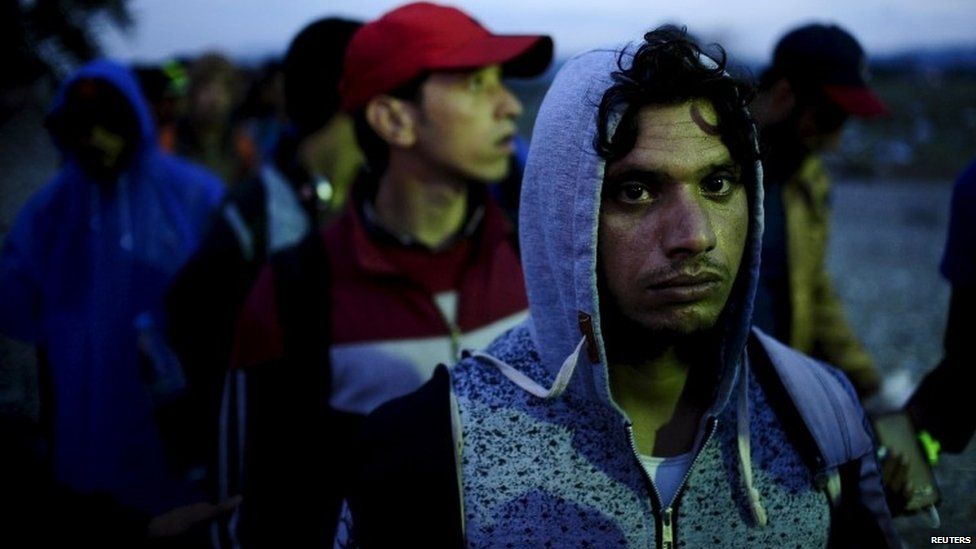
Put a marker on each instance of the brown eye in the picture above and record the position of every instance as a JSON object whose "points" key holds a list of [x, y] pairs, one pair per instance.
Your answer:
{"points": [[633, 193], [718, 185]]}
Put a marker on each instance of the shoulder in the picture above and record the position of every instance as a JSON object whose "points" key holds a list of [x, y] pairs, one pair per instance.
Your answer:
{"points": [[798, 367], [823, 397]]}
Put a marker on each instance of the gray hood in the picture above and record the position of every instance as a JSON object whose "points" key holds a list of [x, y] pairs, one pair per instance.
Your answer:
{"points": [[558, 221]]}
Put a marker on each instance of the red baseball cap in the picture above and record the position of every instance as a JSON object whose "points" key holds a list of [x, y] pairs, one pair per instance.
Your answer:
{"points": [[829, 58], [419, 37]]}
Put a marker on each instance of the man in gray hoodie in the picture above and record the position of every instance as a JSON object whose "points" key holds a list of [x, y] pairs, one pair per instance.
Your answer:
{"points": [[635, 406]]}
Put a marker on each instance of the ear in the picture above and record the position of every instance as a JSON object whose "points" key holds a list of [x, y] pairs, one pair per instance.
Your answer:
{"points": [[782, 99], [393, 119]]}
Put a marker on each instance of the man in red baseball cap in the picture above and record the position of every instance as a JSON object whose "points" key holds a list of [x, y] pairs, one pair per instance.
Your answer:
{"points": [[424, 261], [420, 265], [817, 81]]}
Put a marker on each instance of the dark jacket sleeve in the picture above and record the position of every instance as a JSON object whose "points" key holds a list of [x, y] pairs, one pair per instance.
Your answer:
{"points": [[942, 404], [405, 489]]}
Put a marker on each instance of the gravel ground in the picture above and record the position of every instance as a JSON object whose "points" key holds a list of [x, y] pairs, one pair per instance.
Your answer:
{"points": [[885, 249]]}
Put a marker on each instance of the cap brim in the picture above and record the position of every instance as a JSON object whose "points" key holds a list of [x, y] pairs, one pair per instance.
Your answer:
{"points": [[856, 100], [520, 56]]}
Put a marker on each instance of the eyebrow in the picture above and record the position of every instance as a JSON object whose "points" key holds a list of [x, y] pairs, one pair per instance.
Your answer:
{"points": [[658, 176]]}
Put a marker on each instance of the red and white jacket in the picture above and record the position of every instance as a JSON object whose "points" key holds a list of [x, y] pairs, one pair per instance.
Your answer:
{"points": [[398, 309]]}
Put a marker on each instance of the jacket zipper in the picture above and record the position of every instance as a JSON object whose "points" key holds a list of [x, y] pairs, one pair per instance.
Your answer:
{"points": [[667, 514], [667, 533], [453, 332]]}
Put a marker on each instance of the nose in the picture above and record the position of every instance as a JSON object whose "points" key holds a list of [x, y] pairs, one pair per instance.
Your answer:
{"points": [[509, 105], [687, 229]]}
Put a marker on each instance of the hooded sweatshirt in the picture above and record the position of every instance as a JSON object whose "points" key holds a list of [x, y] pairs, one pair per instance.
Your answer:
{"points": [[545, 454], [81, 264]]}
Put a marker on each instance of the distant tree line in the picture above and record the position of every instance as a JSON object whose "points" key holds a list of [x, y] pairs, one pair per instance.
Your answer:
{"points": [[41, 38]]}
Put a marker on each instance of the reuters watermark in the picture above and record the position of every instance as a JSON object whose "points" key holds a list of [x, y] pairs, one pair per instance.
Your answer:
{"points": [[952, 540]]}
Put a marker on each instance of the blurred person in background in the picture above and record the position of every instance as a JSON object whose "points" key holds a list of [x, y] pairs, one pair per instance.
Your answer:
{"points": [[82, 276], [940, 413], [419, 265], [209, 133], [942, 404], [817, 81], [262, 113], [301, 185], [164, 87]]}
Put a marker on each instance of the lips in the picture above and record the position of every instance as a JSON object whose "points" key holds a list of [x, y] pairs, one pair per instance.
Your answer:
{"points": [[506, 142], [685, 287]]}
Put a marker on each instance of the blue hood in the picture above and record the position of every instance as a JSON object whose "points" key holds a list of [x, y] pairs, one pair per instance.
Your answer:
{"points": [[558, 223], [122, 79]]}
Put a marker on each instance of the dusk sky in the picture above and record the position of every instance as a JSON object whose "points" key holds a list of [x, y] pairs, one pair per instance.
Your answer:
{"points": [[254, 28]]}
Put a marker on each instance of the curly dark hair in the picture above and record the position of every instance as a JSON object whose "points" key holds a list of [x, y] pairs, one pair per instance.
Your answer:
{"points": [[670, 68]]}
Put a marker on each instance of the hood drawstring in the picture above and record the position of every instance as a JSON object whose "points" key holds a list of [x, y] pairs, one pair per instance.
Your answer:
{"points": [[525, 382], [745, 454]]}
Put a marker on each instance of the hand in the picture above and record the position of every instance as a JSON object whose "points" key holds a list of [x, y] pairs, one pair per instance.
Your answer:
{"points": [[894, 475], [179, 521]]}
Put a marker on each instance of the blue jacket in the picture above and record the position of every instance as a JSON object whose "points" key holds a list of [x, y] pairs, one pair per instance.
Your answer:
{"points": [[81, 262], [541, 452]]}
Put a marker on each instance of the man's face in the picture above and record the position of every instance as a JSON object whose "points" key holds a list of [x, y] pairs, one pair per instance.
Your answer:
{"points": [[673, 222], [819, 123], [99, 128], [211, 103], [466, 123]]}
